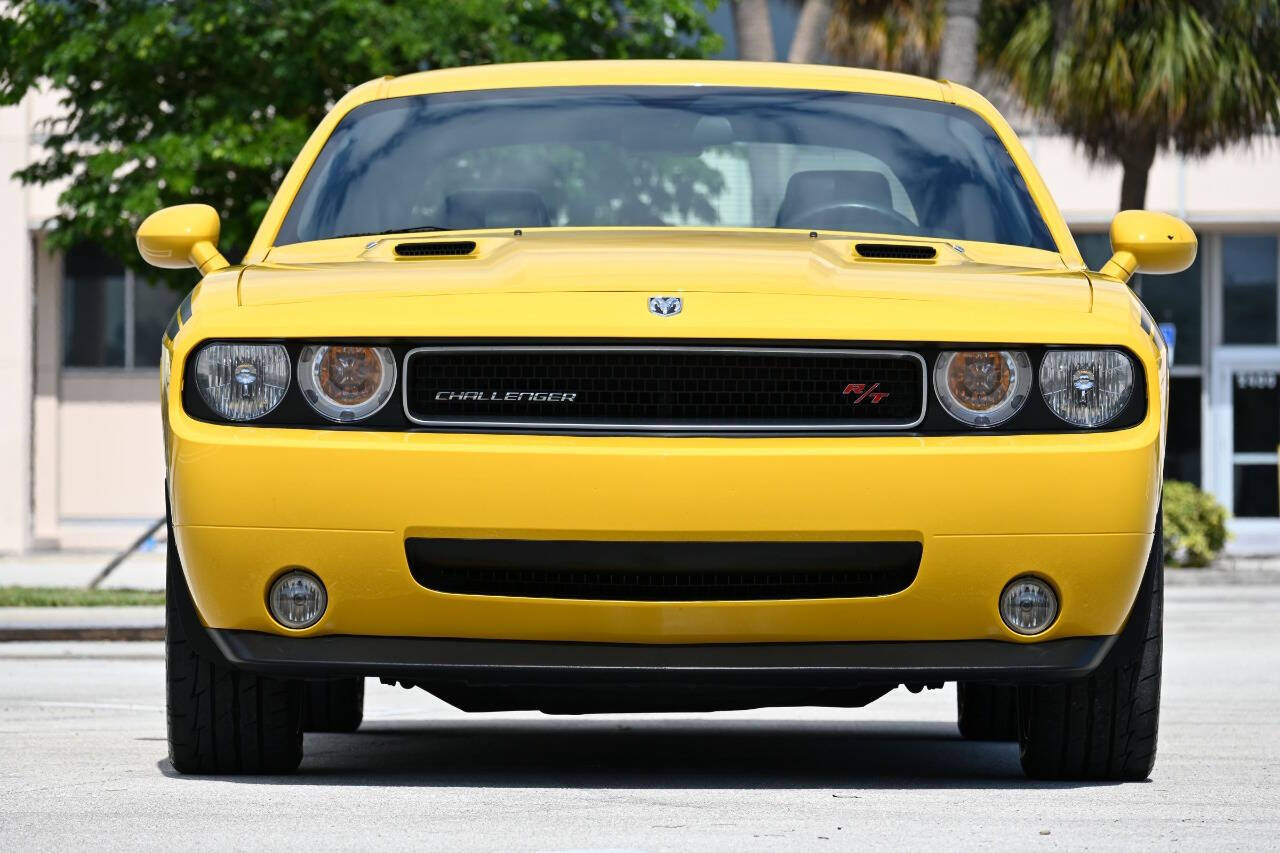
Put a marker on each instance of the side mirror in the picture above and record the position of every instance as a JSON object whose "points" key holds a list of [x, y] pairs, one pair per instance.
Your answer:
{"points": [[182, 236], [1144, 241]]}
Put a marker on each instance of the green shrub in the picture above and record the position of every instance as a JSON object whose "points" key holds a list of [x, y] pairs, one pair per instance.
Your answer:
{"points": [[1195, 525]]}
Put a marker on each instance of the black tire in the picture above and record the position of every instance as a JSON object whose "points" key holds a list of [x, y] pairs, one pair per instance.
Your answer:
{"points": [[987, 711], [333, 706], [221, 720], [1103, 727]]}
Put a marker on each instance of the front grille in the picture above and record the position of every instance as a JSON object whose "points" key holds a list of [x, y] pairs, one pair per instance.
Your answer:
{"points": [[663, 571], [669, 388]]}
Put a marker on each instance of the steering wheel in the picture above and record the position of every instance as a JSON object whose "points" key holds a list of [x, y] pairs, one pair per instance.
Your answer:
{"points": [[833, 214]]}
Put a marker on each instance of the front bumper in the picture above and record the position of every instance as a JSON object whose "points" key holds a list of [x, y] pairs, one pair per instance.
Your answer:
{"points": [[249, 503], [773, 665]]}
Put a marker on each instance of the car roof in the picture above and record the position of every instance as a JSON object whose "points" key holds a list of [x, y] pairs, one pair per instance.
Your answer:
{"points": [[662, 72]]}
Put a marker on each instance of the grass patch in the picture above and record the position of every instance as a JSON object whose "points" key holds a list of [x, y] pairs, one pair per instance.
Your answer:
{"points": [[59, 596]]}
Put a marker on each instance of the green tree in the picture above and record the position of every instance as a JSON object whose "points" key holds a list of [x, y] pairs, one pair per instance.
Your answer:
{"points": [[1127, 78], [210, 100]]}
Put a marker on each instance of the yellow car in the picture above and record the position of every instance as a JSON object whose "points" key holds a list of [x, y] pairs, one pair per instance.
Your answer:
{"points": [[664, 386]]}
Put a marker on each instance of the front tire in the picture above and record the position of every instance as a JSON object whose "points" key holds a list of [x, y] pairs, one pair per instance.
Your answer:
{"points": [[221, 720], [1103, 727]]}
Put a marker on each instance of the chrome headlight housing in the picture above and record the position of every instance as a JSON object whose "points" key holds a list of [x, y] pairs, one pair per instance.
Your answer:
{"points": [[1086, 387], [346, 383], [982, 388], [242, 382]]}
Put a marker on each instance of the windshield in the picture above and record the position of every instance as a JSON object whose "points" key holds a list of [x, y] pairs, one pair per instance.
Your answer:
{"points": [[666, 156]]}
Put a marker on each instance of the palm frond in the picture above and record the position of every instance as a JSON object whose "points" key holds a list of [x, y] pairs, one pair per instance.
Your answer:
{"points": [[894, 35]]}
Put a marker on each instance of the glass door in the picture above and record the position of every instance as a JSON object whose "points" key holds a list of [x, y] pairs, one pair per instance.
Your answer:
{"points": [[1247, 437]]}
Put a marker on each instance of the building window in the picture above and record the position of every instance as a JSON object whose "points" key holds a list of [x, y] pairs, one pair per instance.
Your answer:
{"points": [[111, 318], [1095, 247], [1176, 303], [93, 303], [1257, 491], [1182, 447], [1255, 405], [1249, 313]]}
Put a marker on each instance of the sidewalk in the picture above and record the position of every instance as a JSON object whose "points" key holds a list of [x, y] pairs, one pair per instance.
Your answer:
{"points": [[140, 570], [81, 623]]}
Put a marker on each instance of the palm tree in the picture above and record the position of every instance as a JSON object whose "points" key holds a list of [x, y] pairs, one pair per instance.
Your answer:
{"points": [[898, 35], [1126, 78], [752, 30], [959, 59], [809, 42]]}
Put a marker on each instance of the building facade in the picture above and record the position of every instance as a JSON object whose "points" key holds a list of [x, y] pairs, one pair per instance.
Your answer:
{"points": [[80, 443]]}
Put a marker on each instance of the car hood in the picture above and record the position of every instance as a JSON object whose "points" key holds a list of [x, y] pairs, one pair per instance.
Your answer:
{"points": [[666, 262]]}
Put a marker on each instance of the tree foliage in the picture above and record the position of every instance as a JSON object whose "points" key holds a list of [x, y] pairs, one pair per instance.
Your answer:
{"points": [[896, 35], [1126, 78], [210, 100]]}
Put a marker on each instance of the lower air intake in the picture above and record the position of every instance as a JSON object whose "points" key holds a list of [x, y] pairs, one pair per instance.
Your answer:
{"points": [[663, 571]]}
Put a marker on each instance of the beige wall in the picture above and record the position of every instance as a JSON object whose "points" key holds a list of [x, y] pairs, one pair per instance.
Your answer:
{"points": [[110, 460], [110, 477], [1237, 185], [48, 357], [16, 320]]}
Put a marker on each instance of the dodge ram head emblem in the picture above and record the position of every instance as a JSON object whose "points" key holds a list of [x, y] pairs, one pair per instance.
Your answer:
{"points": [[665, 306]]}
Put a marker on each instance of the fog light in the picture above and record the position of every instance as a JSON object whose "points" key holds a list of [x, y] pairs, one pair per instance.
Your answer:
{"points": [[297, 599], [1028, 605]]}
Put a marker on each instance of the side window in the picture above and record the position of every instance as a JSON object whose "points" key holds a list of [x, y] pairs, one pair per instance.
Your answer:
{"points": [[1249, 284]]}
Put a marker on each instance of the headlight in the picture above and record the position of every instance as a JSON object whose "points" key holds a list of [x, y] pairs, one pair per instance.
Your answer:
{"points": [[982, 388], [346, 383], [1088, 387], [241, 382]]}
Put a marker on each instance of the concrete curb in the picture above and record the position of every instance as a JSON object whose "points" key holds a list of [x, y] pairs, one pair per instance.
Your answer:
{"points": [[81, 623], [17, 635], [1221, 577]]}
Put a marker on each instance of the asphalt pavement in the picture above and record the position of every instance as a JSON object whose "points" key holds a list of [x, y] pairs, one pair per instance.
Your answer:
{"points": [[83, 764]]}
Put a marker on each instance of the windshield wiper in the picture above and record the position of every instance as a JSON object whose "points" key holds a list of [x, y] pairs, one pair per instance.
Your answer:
{"points": [[409, 230]]}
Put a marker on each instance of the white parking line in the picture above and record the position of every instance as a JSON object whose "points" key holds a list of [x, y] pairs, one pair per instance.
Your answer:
{"points": [[104, 706]]}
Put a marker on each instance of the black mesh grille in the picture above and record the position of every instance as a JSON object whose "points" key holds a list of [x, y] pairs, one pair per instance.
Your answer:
{"points": [[421, 250], [663, 571], [664, 388], [896, 251]]}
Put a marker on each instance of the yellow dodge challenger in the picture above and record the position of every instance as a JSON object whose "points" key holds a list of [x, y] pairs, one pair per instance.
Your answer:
{"points": [[664, 386]]}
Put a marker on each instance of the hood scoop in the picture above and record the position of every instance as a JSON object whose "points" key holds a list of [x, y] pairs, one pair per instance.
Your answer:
{"points": [[896, 251], [436, 249]]}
